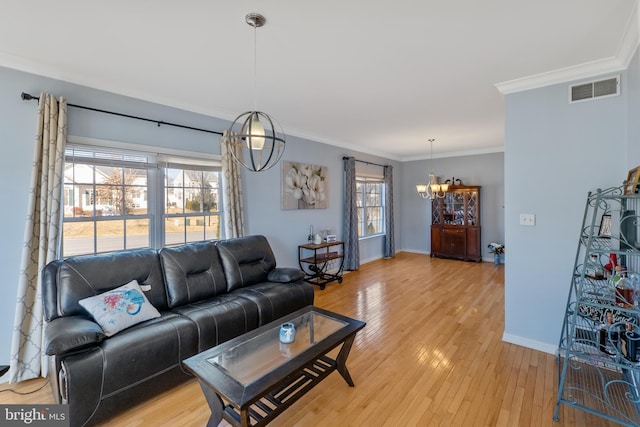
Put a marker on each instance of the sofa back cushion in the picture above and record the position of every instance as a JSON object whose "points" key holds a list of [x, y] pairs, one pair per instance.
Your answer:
{"points": [[192, 272], [67, 281], [246, 260]]}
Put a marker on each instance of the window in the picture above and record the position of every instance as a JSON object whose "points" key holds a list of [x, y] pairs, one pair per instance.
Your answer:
{"points": [[113, 200], [191, 208], [370, 206]]}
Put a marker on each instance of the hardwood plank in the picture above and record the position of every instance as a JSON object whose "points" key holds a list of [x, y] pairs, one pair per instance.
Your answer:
{"points": [[430, 355]]}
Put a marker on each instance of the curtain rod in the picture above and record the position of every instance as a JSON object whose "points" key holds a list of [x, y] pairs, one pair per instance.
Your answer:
{"points": [[363, 161], [27, 97]]}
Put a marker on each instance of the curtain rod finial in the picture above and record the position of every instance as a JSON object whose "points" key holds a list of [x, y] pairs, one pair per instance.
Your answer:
{"points": [[26, 97]]}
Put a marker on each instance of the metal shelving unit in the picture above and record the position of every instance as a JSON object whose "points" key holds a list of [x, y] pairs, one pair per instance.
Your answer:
{"points": [[593, 374]]}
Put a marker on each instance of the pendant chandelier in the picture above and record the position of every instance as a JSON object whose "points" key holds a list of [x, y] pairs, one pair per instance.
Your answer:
{"points": [[432, 189], [254, 139]]}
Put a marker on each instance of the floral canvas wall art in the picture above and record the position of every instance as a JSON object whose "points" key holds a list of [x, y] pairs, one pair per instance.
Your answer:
{"points": [[304, 186]]}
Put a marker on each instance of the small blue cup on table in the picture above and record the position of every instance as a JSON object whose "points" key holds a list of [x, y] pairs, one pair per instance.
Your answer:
{"points": [[287, 333]]}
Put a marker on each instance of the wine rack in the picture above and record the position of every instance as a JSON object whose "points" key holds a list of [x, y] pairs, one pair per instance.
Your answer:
{"points": [[596, 371]]}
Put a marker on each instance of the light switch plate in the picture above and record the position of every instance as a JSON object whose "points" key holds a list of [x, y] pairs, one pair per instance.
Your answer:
{"points": [[528, 220]]}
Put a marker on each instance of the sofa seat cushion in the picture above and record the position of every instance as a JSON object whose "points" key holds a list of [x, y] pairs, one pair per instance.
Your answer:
{"points": [[275, 300], [146, 350], [221, 318]]}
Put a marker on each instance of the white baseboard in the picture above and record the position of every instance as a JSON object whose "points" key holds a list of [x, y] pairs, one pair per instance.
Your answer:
{"points": [[529, 343], [364, 261], [413, 251]]}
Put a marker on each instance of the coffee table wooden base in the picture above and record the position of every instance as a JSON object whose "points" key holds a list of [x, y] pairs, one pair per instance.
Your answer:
{"points": [[283, 395]]}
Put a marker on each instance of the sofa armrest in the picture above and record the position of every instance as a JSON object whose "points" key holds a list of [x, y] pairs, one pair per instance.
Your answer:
{"points": [[285, 275], [65, 334]]}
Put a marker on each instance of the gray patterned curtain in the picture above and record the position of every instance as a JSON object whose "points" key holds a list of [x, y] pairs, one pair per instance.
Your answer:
{"points": [[389, 241], [231, 188], [42, 239], [351, 241]]}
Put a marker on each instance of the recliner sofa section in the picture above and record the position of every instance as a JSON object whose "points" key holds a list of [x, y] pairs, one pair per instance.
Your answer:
{"points": [[206, 293]]}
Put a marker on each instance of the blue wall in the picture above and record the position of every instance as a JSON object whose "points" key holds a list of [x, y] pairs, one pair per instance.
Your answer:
{"points": [[486, 170], [555, 152], [633, 96], [285, 229]]}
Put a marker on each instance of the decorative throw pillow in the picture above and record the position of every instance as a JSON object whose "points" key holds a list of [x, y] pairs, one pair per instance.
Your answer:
{"points": [[120, 308]]}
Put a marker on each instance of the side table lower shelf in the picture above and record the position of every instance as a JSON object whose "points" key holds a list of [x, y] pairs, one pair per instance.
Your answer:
{"points": [[322, 263]]}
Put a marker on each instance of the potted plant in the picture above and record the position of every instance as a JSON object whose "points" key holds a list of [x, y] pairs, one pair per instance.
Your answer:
{"points": [[496, 249]]}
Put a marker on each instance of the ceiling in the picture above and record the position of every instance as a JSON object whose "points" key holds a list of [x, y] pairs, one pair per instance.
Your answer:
{"points": [[377, 76]]}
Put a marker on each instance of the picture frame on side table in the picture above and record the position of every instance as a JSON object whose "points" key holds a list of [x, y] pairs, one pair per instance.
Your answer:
{"points": [[631, 184]]}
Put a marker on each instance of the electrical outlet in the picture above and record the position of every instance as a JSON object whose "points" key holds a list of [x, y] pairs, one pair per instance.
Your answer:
{"points": [[528, 220]]}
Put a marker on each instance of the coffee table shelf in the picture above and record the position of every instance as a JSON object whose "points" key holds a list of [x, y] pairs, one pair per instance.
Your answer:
{"points": [[280, 398]]}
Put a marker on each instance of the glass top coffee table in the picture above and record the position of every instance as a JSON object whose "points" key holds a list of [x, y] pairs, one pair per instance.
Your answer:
{"points": [[251, 379]]}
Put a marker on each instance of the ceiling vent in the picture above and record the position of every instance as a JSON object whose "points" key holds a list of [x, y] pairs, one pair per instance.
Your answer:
{"points": [[593, 90]]}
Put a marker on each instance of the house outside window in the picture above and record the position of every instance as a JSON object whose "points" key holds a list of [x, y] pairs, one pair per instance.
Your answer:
{"points": [[118, 199], [370, 206]]}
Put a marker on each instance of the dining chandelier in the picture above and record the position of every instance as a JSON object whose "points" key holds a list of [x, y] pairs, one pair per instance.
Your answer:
{"points": [[432, 189], [254, 139]]}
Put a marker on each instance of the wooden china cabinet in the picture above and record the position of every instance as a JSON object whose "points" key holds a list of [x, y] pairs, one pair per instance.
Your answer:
{"points": [[455, 223]]}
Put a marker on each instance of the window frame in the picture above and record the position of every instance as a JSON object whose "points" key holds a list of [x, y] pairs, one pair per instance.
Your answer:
{"points": [[156, 160], [362, 226], [190, 215]]}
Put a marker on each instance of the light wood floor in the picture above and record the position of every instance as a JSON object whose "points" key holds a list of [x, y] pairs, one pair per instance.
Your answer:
{"points": [[430, 355]]}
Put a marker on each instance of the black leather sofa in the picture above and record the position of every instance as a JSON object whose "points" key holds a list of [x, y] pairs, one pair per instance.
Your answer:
{"points": [[206, 293]]}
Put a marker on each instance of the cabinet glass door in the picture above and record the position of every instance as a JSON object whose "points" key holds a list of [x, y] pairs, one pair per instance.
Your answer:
{"points": [[472, 208], [454, 208]]}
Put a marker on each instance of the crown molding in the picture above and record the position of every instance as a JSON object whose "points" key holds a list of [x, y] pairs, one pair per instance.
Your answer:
{"points": [[562, 75], [475, 152], [631, 40], [626, 49]]}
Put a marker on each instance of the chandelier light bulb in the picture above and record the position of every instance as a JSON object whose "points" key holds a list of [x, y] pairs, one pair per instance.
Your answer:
{"points": [[255, 140], [433, 190]]}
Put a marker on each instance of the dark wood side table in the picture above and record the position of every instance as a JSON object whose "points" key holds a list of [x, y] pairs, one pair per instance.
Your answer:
{"points": [[315, 261]]}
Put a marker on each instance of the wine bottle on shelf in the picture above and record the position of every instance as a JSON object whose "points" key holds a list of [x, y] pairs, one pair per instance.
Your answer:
{"points": [[594, 268], [608, 337], [629, 343], [624, 292]]}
